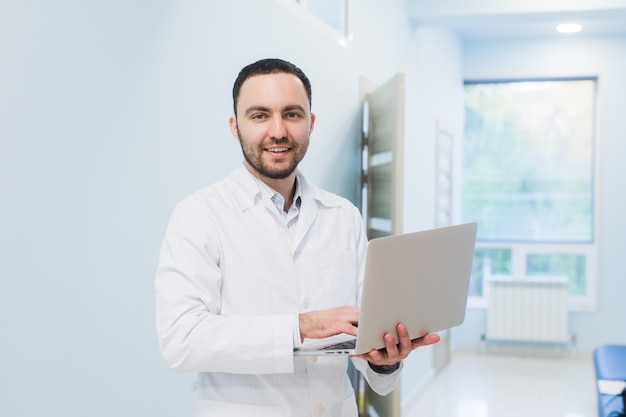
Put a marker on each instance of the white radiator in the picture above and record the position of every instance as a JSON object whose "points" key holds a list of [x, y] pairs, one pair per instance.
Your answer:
{"points": [[527, 310]]}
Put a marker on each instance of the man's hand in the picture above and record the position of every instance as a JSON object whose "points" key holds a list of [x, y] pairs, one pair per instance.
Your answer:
{"points": [[394, 353], [325, 323]]}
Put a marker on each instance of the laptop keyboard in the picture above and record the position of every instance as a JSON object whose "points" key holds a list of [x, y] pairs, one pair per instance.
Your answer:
{"points": [[349, 344]]}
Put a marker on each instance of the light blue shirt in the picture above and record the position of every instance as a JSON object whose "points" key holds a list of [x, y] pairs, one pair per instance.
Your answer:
{"points": [[290, 217]]}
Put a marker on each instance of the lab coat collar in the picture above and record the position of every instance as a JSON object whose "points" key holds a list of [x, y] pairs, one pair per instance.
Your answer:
{"points": [[249, 193]]}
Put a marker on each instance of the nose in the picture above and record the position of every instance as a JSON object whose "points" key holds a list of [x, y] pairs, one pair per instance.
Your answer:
{"points": [[277, 128]]}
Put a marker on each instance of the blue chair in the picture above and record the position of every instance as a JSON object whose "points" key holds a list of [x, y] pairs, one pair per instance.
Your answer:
{"points": [[610, 364]]}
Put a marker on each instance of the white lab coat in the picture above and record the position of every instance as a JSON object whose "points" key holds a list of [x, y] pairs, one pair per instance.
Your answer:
{"points": [[230, 285]]}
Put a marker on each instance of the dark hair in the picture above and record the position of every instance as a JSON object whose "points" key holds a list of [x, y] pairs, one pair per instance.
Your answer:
{"points": [[269, 66]]}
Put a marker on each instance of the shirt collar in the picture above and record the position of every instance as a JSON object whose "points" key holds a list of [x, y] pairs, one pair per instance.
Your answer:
{"points": [[247, 192], [277, 199]]}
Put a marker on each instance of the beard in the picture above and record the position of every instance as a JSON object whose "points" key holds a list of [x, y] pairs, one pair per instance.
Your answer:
{"points": [[278, 169]]}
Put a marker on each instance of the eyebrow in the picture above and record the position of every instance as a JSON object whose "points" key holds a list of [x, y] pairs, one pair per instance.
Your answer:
{"points": [[267, 109], [256, 108], [295, 107]]}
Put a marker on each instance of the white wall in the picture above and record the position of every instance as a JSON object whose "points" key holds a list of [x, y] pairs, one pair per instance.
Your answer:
{"points": [[434, 95], [110, 112], [604, 56]]}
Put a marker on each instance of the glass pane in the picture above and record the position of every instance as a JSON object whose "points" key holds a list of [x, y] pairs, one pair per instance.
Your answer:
{"points": [[528, 160], [333, 12], [557, 265], [488, 261]]}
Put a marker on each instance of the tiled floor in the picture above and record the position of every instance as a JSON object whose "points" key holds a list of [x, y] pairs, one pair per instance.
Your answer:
{"points": [[476, 384]]}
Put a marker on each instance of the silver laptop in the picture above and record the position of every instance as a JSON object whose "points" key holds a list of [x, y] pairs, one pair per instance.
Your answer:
{"points": [[420, 279]]}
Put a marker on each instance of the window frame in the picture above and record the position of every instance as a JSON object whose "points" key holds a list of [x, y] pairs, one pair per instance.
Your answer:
{"points": [[344, 29], [520, 250]]}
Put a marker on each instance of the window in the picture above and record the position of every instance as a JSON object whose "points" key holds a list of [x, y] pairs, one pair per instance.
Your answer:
{"points": [[528, 180]]}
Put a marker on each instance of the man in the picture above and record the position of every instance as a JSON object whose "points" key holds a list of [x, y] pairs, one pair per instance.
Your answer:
{"points": [[256, 263]]}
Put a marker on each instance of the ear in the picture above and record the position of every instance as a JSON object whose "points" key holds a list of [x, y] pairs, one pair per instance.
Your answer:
{"points": [[233, 126], [312, 122]]}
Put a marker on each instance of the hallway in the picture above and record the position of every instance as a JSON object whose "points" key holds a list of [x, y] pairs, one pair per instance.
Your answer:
{"points": [[489, 385]]}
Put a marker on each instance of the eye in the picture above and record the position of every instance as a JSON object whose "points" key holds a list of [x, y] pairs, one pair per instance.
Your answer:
{"points": [[293, 115], [258, 116]]}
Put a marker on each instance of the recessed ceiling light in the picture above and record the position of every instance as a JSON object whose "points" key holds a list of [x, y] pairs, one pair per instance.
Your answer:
{"points": [[569, 27]]}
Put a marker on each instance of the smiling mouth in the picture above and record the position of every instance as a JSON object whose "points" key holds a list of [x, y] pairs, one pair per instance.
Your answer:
{"points": [[277, 150]]}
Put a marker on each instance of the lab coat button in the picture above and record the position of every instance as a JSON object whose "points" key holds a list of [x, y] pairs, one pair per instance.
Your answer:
{"points": [[313, 358], [305, 303], [319, 410]]}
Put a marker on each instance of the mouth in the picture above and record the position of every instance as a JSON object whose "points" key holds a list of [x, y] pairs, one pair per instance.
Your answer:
{"points": [[277, 151]]}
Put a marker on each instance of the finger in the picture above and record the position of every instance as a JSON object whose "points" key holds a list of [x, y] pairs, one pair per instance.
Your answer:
{"points": [[390, 341], [391, 347], [425, 340], [375, 356], [351, 319], [350, 329], [405, 339], [349, 313]]}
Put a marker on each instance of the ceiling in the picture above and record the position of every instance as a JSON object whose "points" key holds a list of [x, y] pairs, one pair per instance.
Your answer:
{"points": [[516, 25]]}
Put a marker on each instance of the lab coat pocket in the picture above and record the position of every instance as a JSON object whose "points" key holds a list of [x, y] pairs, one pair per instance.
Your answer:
{"points": [[209, 408], [330, 278]]}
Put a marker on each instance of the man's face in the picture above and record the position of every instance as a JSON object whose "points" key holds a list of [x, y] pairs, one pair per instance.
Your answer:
{"points": [[273, 124]]}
